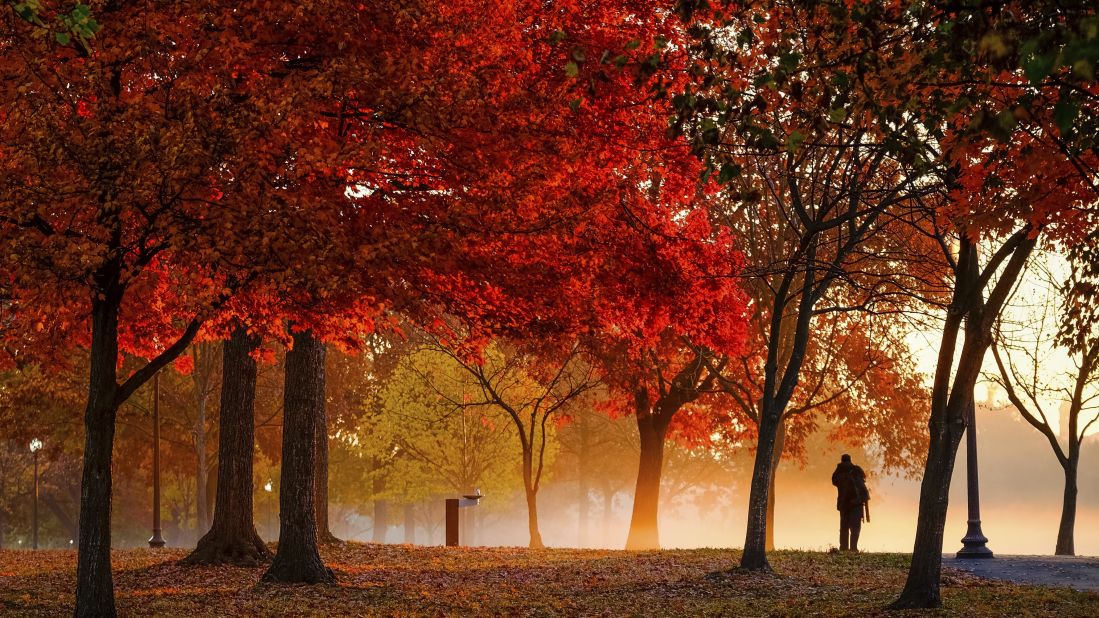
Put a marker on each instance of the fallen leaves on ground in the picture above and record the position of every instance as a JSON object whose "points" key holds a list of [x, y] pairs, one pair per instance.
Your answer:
{"points": [[400, 580]]}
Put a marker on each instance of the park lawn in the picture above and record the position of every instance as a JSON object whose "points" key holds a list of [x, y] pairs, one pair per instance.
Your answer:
{"points": [[392, 580]]}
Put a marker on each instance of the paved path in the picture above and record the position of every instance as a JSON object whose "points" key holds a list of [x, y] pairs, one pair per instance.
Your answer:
{"points": [[1079, 572]]}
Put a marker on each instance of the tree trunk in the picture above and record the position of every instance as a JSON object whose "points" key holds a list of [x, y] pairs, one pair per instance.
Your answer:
{"points": [[951, 402], [1066, 530], [946, 427], [94, 586], [298, 559], [532, 519], [922, 587], [232, 538], [755, 540], [531, 492], [644, 527], [410, 524], [324, 533], [776, 459]]}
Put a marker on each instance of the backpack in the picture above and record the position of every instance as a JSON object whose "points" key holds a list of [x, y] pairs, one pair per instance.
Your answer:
{"points": [[857, 484]]}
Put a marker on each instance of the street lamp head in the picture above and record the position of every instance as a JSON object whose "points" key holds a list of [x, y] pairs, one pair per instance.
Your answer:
{"points": [[268, 487], [36, 445]]}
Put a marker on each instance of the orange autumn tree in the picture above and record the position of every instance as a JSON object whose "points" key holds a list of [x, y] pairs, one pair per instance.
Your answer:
{"points": [[562, 174], [580, 205], [186, 146], [140, 137]]}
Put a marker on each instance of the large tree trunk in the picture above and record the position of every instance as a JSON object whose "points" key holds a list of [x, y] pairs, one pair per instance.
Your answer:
{"points": [[777, 390], [94, 586], [324, 533], [532, 519], [951, 401], [755, 539], [232, 539], [1066, 530], [923, 580], [298, 559], [921, 589], [644, 528], [776, 459], [531, 492]]}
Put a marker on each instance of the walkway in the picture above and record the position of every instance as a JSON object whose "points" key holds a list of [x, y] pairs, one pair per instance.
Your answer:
{"points": [[1079, 572]]}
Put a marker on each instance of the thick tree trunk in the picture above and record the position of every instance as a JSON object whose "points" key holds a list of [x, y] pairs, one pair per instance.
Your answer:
{"points": [[531, 491], [324, 533], [755, 539], [232, 538], [1066, 530], [298, 559], [532, 519], [922, 587], [776, 459], [94, 586], [777, 390], [644, 526], [947, 427], [951, 401]]}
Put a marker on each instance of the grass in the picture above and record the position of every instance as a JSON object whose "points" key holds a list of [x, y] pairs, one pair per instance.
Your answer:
{"points": [[398, 580]]}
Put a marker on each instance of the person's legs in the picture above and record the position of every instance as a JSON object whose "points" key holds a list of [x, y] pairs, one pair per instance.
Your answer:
{"points": [[854, 522], [844, 529]]}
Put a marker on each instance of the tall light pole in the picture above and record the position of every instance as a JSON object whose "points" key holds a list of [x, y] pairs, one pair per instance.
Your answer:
{"points": [[974, 543], [36, 445], [268, 487], [156, 540]]}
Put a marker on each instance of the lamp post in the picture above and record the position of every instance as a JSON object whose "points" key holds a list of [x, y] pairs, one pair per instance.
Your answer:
{"points": [[36, 445], [268, 487], [156, 540], [974, 543]]}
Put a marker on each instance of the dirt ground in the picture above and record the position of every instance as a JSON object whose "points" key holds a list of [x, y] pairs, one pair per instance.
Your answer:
{"points": [[403, 580]]}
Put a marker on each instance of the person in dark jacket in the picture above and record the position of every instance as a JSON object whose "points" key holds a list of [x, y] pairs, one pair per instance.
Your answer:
{"points": [[850, 480]]}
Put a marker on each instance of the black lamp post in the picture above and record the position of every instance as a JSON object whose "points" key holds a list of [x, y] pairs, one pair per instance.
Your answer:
{"points": [[156, 540], [974, 543], [36, 445], [269, 488]]}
